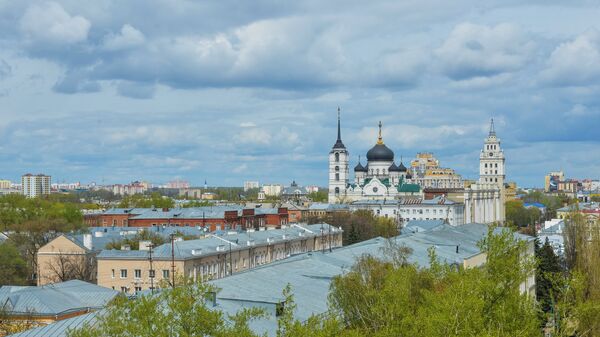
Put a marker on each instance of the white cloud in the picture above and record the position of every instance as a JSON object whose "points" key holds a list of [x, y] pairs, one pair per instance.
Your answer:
{"points": [[247, 125], [128, 37], [575, 62], [477, 50], [49, 22]]}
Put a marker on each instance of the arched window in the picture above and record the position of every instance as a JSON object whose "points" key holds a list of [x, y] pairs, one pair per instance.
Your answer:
{"points": [[485, 165], [496, 164], [337, 191], [337, 169], [337, 177], [337, 157], [377, 171]]}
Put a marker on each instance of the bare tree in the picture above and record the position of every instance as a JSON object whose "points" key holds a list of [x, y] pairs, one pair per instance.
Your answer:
{"points": [[66, 267]]}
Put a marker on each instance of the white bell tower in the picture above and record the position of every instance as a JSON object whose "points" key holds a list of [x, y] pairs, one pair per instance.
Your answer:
{"points": [[338, 167]]}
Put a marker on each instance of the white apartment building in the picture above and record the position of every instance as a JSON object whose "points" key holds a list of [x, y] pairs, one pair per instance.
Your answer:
{"points": [[35, 185], [272, 189], [248, 185]]}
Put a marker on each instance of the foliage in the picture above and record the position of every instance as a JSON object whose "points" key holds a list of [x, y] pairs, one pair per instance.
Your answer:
{"points": [[359, 226], [184, 311], [65, 267], [578, 306], [134, 242], [30, 223], [547, 272], [143, 201], [551, 202], [519, 216], [380, 298], [12, 265], [197, 203], [319, 196]]}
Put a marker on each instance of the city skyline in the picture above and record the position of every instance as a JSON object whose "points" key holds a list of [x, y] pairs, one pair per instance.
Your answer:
{"points": [[109, 92]]}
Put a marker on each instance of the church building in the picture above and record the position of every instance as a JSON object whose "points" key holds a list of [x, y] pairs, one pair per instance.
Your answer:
{"points": [[379, 179]]}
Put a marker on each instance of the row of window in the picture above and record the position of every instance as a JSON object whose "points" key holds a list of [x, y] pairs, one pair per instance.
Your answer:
{"points": [[486, 165], [137, 273]]}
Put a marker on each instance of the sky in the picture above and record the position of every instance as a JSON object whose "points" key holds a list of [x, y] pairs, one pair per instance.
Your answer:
{"points": [[113, 91]]}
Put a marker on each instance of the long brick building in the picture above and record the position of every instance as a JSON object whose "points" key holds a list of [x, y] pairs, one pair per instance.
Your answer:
{"points": [[212, 217]]}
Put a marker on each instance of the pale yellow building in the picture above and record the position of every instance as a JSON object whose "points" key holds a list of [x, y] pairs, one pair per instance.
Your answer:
{"points": [[210, 258], [65, 258]]}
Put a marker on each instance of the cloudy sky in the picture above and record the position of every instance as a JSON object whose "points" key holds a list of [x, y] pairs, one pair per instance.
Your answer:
{"points": [[112, 91]]}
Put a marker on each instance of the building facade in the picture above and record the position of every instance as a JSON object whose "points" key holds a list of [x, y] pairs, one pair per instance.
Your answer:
{"points": [[210, 258], [484, 200], [409, 209], [35, 185]]}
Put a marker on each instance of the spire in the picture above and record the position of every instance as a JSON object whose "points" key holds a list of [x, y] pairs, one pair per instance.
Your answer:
{"points": [[380, 139], [338, 143], [492, 131], [339, 128]]}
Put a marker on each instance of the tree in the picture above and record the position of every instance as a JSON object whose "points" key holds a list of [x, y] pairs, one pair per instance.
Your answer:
{"points": [[319, 196], [65, 267], [547, 271], [184, 311], [13, 267], [381, 298], [134, 243]]}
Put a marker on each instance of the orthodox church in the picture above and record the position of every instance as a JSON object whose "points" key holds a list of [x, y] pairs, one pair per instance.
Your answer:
{"points": [[379, 179]]}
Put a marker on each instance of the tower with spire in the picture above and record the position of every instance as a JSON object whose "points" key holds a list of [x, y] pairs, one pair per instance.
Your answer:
{"points": [[338, 166], [491, 164]]}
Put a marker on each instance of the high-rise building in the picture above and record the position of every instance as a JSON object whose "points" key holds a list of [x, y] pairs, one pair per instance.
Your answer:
{"points": [[5, 184], [35, 185], [248, 185]]}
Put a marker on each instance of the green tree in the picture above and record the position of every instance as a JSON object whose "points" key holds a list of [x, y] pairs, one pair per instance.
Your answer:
{"points": [[548, 270], [12, 265], [184, 311]]}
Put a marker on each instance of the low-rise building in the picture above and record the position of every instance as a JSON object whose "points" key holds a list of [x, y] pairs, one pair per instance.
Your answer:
{"points": [[213, 257], [227, 217], [407, 209], [54, 302]]}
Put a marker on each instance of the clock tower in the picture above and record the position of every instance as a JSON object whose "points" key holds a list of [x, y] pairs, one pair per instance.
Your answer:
{"points": [[491, 164]]}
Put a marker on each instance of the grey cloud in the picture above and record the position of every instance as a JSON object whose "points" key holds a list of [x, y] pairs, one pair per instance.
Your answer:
{"points": [[482, 51], [136, 90], [5, 69], [76, 81]]}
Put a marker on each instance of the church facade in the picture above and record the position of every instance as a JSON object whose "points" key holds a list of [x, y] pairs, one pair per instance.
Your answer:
{"points": [[379, 179]]}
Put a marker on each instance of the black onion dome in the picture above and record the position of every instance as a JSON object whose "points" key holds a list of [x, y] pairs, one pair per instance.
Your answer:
{"points": [[402, 167], [394, 168], [380, 152], [360, 168]]}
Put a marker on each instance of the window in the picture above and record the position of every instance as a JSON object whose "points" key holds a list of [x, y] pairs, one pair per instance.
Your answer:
{"points": [[124, 289], [123, 273], [496, 164], [114, 222], [137, 273], [112, 273], [337, 157], [337, 191], [485, 165], [337, 169], [138, 289], [151, 273], [337, 177]]}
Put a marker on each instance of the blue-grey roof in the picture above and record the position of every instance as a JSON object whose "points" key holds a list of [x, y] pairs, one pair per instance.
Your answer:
{"points": [[211, 244], [414, 226], [55, 299], [317, 206], [59, 328], [310, 274]]}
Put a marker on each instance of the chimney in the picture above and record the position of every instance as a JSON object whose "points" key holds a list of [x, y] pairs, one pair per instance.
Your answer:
{"points": [[87, 241]]}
